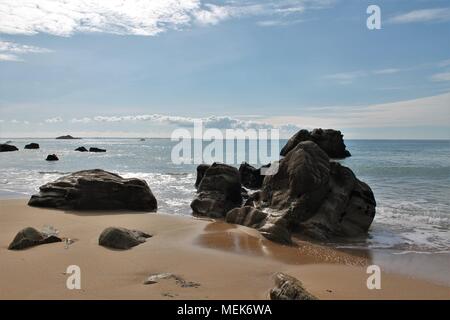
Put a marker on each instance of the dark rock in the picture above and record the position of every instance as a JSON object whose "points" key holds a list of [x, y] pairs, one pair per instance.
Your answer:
{"points": [[30, 237], [7, 148], [96, 150], [331, 141], [271, 226], [200, 173], [81, 149], [67, 137], [52, 157], [289, 288], [32, 146], [347, 210], [251, 177], [218, 192], [314, 196], [121, 238], [95, 190]]}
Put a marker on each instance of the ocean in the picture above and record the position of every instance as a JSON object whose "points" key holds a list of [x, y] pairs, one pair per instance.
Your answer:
{"points": [[410, 180]]}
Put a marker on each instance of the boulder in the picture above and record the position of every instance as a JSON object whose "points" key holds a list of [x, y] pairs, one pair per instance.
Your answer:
{"points": [[272, 226], [218, 192], [200, 173], [81, 149], [311, 195], [347, 210], [93, 149], [289, 288], [30, 237], [7, 147], [329, 140], [95, 190], [67, 137], [52, 157], [121, 238], [32, 146], [251, 177]]}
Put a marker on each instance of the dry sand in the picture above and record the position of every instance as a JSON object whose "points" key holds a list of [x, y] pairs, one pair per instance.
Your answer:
{"points": [[227, 261]]}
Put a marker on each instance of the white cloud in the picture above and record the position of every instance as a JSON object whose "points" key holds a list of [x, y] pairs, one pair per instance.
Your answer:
{"points": [[387, 71], [219, 122], [138, 17], [346, 77], [54, 120], [439, 77], [10, 51], [13, 47], [428, 111], [9, 57], [423, 15]]}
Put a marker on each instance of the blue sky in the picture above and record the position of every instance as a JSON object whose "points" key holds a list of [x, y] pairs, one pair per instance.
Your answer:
{"points": [[91, 69]]}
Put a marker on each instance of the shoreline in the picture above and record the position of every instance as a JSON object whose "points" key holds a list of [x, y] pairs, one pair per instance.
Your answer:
{"points": [[227, 261]]}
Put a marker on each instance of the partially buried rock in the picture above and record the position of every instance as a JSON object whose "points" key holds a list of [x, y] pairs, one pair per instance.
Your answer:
{"points": [[81, 149], [329, 140], [7, 147], [93, 149], [121, 238], [32, 146], [219, 191], [95, 190], [289, 288], [30, 237], [52, 157]]}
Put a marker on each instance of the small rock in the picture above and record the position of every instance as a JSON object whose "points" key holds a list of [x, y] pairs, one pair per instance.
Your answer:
{"points": [[30, 237], [93, 149], [7, 148], [67, 137], [289, 288], [121, 238], [32, 146], [81, 149], [52, 157]]}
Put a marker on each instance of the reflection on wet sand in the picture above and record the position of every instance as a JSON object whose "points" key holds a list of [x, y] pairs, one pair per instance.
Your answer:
{"points": [[241, 240]]}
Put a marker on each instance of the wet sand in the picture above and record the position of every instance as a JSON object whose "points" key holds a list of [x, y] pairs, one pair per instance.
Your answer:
{"points": [[226, 261]]}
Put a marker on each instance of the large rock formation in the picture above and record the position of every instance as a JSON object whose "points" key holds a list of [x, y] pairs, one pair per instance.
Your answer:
{"points": [[331, 141], [7, 147], [311, 195], [94, 149], [289, 288], [218, 192], [81, 149], [121, 238], [95, 190], [32, 146], [30, 237]]}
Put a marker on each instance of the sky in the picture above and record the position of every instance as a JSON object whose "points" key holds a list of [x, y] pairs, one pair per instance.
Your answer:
{"points": [[140, 68]]}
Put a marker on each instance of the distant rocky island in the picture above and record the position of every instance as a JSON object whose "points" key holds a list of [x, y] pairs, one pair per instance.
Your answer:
{"points": [[67, 137]]}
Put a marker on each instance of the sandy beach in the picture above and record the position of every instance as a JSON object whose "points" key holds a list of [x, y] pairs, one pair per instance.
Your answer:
{"points": [[225, 260]]}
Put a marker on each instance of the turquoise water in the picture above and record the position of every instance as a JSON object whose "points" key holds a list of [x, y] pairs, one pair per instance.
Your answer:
{"points": [[410, 179]]}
